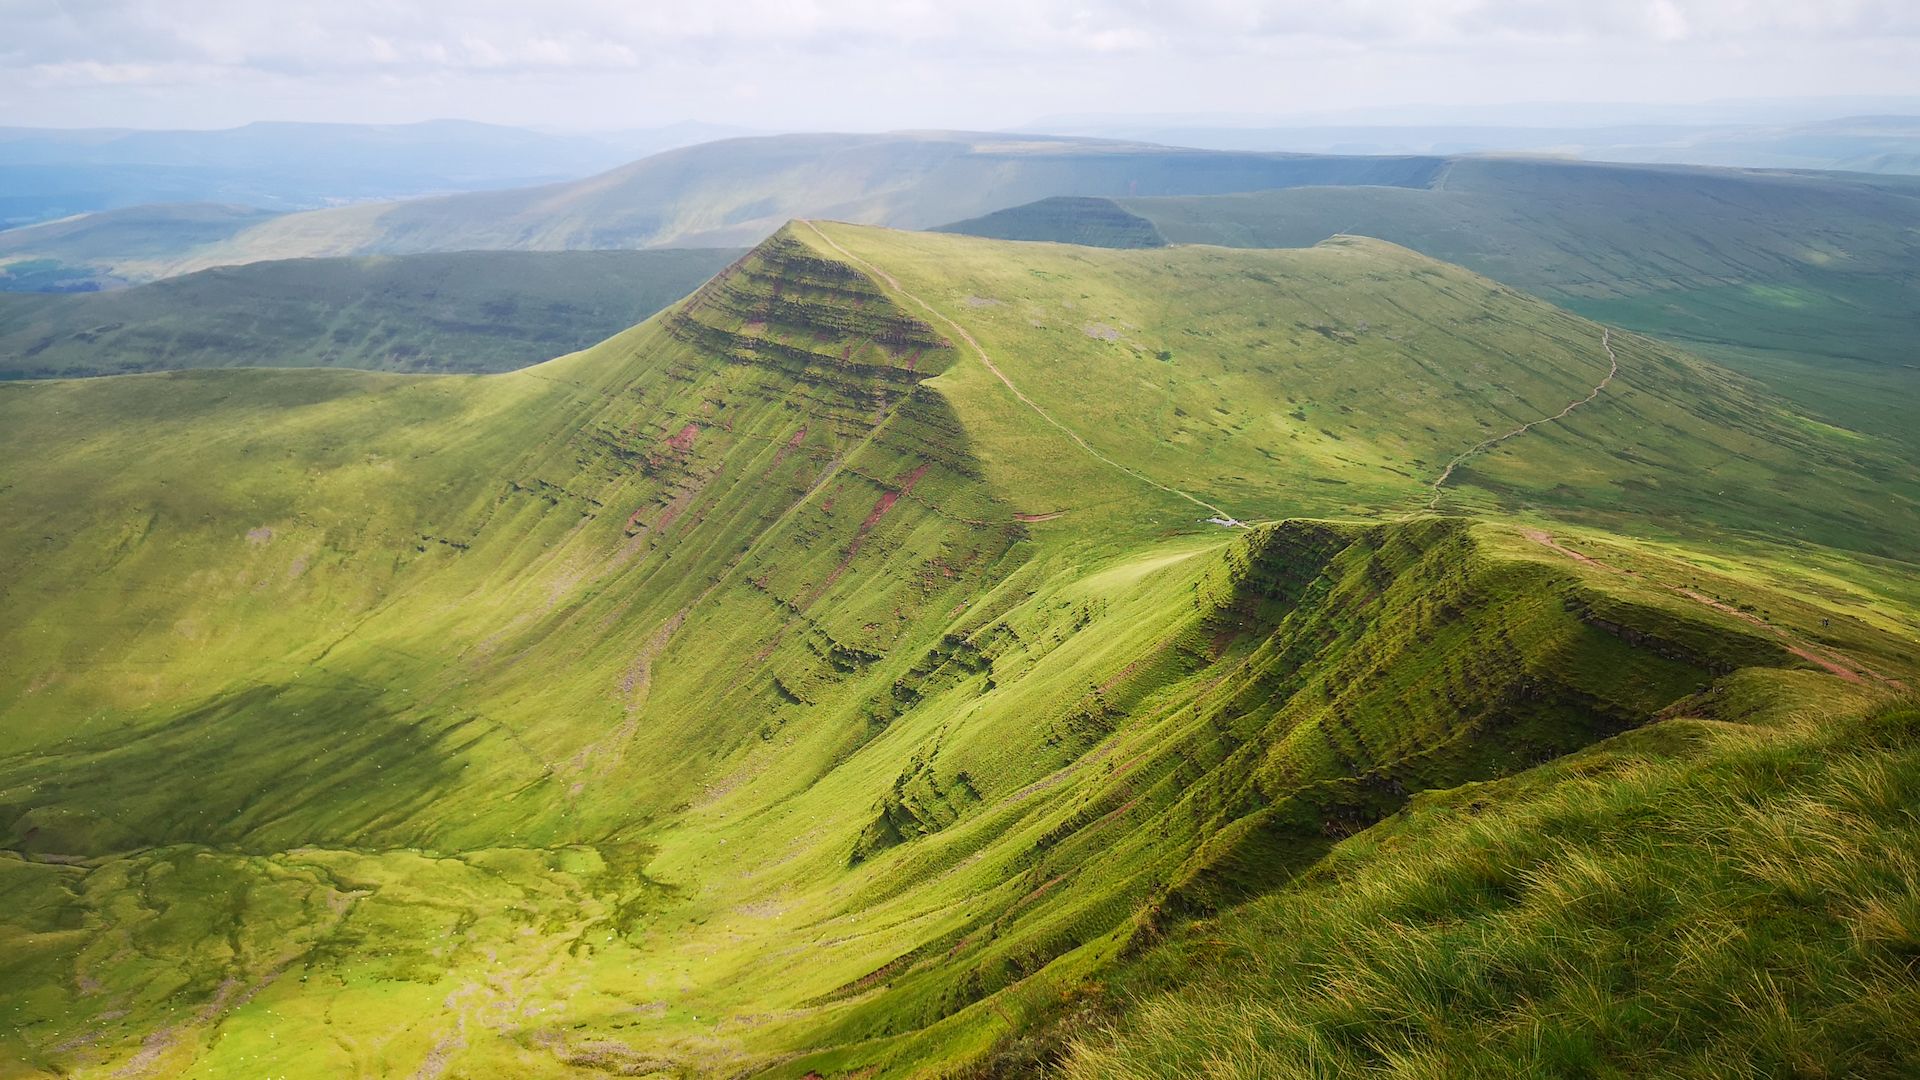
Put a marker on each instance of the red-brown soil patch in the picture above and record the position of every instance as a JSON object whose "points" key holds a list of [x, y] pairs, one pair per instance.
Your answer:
{"points": [[683, 439]]}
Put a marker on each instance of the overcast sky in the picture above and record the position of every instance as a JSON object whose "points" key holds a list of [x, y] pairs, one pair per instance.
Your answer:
{"points": [[871, 64]]}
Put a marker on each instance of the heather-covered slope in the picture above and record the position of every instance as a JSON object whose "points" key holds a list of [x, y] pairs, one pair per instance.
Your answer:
{"points": [[837, 669]]}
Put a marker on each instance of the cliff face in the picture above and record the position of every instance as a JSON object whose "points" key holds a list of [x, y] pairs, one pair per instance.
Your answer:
{"points": [[817, 321]]}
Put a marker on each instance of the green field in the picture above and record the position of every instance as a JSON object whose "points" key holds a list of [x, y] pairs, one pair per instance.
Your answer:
{"points": [[465, 312], [837, 674]]}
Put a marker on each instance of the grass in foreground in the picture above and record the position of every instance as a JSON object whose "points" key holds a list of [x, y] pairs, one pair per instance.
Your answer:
{"points": [[1700, 898]]}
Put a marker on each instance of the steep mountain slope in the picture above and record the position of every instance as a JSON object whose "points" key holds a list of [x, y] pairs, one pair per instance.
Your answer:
{"points": [[1753, 862], [822, 676], [471, 311], [737, 191]]}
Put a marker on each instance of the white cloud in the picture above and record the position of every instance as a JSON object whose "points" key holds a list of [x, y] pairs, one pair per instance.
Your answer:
{"points": [[310, 35], [514, 58]]}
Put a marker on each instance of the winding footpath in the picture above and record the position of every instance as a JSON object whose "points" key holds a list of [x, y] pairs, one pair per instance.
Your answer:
{"points": [[1447, 473], [1219, 516]]}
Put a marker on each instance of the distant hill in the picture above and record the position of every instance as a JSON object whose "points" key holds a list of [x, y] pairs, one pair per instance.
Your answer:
{"points": [[1886, 144], [467, 311], [1065, 219], [48, 172], [107, 249], [732, 192]]}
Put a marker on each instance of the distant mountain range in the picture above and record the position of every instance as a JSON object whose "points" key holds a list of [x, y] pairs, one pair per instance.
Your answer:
{"points": [[50, 173], [1878, 143], [727, 193]]}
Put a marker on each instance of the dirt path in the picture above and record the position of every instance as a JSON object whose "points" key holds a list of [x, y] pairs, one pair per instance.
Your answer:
{"points": [[1447, 473], [893, 283], [1835, 663]]}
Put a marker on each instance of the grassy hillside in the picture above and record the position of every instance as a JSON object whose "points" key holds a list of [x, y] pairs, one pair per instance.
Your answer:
{"points": [[1618, 231], [1727, 893], [1065, 219], [1800, 278], [719, 194], [837, 673], [470, 311], [1807, 280], [91, 250]]}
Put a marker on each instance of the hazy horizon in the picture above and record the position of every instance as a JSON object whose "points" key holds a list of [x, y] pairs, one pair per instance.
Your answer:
{"points": [[1572, 115], [854, 65]]}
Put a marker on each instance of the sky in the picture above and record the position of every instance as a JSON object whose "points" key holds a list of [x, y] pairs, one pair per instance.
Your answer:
{"points": [[882, 64]]}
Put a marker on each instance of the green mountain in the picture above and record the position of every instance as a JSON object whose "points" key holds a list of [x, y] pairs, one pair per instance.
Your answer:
{"points": [[469, 311], [915, 652], [1065, 219], [109, 248], [1808, 280], [727, 193]]}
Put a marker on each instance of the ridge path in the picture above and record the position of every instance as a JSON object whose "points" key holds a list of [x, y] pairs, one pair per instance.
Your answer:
{"points": [[1488, 444], [1219, 516]]}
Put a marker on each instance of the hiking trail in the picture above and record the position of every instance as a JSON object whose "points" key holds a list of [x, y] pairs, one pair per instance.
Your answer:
{"points": [[1220, 516], [1606, 343]]}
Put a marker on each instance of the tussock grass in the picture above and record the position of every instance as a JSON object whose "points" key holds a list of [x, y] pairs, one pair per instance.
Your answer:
{"points": [[1749, 908]]}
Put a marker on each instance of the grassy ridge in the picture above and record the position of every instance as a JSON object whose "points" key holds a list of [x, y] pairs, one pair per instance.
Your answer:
{"points": [[66, 253], [472, 312], [1723, 893], [1806, 280], [1274, 404], [772, 687]]}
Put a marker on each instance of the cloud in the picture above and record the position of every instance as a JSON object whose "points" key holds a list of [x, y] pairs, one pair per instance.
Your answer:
{"points": [[305, 36], [914, 61]]}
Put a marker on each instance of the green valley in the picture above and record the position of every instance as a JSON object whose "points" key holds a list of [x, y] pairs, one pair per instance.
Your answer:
{"points": [[922, 654], [468, 311]]}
